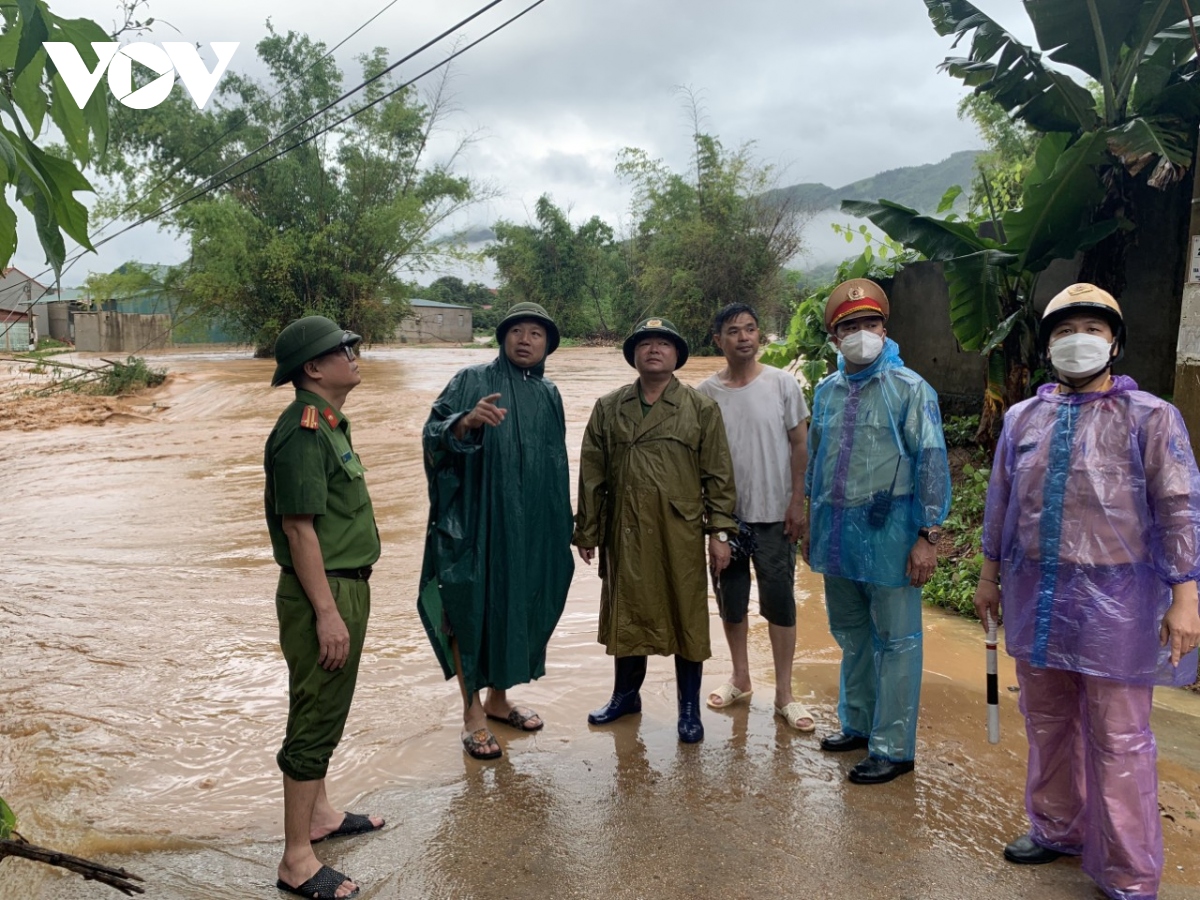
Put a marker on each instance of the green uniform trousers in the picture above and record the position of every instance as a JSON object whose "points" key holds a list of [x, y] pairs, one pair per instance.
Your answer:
{"points": [[318, 701]]}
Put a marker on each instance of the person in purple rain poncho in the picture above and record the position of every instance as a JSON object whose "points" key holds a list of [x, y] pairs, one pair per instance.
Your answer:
{"points": [[1092, 544]]}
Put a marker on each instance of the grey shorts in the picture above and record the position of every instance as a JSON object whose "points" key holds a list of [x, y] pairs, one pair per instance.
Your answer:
{"points": [[775, 572]]}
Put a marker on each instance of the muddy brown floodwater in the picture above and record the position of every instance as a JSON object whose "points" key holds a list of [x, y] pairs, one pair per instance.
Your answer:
{"points": [[143, 697]]}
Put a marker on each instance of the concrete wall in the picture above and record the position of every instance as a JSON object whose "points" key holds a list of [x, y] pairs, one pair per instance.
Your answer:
{"points": [[1187, 349], [428, 325], [920, 324], [1152, 302], [59, 314], [110, 332]]}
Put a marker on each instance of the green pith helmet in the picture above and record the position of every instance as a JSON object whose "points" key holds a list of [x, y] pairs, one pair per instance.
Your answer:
{"points": [[528, 310], [654, 326], [307, 339]]}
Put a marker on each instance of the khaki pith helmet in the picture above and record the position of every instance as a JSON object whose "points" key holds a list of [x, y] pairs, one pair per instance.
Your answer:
{"points": [[526, 310], [855, 299], [653, 326], [307, 339], [1082, 298]]}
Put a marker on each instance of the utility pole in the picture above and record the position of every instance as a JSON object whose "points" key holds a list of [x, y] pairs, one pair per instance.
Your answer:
{"points": [[1187, 353], [33, 335]]}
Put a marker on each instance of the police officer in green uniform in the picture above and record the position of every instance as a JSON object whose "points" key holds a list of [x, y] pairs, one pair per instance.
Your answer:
{"points": [[325, 541]]}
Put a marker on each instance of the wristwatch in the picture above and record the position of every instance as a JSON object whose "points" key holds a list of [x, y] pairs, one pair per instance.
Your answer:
{"points": [[933, 535], [722, 536]]}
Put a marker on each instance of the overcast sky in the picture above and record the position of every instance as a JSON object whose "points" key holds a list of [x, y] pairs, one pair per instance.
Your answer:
{"points": [[830, 90]]}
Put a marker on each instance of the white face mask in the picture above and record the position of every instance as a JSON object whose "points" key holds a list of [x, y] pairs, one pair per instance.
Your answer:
{"points": [[861, 348], [1080, 355]]}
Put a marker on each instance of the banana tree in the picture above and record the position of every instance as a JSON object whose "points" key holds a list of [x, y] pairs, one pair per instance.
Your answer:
{"points": [[1142, 56], [992, 280]]}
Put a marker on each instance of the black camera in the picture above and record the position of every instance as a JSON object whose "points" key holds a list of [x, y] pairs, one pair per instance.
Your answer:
{"points": [[881, 502], [879, 509]]}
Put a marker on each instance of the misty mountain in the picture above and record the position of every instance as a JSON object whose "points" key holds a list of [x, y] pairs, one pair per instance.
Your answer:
{"points": [[918, 187]]}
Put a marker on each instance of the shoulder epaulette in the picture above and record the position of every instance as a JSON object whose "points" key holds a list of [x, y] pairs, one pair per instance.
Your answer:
{"points": [[309, 419]]}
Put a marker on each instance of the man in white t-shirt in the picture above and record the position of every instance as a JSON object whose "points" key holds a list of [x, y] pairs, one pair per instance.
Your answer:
{"points": [[765, 421]]}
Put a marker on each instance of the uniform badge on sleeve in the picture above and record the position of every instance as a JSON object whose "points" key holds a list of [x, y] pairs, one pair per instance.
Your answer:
{"points": [[309, 420]]}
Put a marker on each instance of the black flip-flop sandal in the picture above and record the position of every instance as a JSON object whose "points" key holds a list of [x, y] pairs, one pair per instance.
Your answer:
{"points": [[322, 886], [351, 825]]}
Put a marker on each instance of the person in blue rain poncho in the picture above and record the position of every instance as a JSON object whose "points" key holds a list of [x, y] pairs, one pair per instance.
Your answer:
{"points": [[878, 485], [1092, 544], [497, 560]]}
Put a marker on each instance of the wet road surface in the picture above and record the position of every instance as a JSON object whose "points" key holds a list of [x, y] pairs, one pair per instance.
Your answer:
{"points": [[143, 697]]}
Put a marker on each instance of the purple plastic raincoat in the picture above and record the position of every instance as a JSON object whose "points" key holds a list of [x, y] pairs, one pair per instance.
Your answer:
{"points": [[1093, 511]]}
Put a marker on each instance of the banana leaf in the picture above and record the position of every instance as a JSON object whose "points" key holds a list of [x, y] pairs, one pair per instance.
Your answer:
{"points": [[1011, 73], [935, 239], [1086, 34], [1061, 191], [977, 283]]}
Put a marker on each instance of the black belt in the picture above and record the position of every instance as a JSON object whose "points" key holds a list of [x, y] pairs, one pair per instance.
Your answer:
{"points": [[363, 574]]}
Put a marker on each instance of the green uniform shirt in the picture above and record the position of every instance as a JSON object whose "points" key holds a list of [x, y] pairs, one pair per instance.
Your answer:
{"points": [[315, 472]]}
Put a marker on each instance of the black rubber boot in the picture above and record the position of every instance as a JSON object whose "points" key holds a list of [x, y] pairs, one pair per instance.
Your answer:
{"points": [[626, 699], [687, 687]]}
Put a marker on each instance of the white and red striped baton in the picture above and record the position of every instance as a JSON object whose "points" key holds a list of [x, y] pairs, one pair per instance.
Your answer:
{"points": [[993, 683]]}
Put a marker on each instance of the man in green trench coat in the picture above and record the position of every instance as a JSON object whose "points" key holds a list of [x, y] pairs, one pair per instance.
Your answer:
{"points": [[655, 476]]}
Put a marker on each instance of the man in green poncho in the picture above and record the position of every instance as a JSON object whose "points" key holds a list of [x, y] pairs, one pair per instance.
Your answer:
{"points": [[498, 547]]}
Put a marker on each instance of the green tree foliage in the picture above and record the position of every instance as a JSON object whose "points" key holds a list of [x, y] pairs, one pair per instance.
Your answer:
{"points": [[327, 228], [710, 237], [32, 95], [130, 281], [579, 274], [451, 289], [8, 820], [1000, 171], [1140, 122]]}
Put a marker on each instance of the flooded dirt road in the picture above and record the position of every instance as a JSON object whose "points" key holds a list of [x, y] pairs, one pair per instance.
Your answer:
{"points": [[143, 697]]}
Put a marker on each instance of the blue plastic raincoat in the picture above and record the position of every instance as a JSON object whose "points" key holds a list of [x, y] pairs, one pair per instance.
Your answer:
{"points": [[1093, 511], [877, 469], [877, 472]]}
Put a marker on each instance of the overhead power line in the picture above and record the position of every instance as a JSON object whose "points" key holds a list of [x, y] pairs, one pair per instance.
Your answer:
{"points": [[245, 117], [207, 188], [175, 171], [172, 205]]}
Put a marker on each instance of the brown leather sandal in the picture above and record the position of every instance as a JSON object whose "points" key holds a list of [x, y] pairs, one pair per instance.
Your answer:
{"points": [[476, 744]]}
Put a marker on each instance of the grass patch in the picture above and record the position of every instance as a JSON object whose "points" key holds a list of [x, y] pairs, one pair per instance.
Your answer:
{"points": [[960, 554], [45, 347], [961, 560], [126, 377]]}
